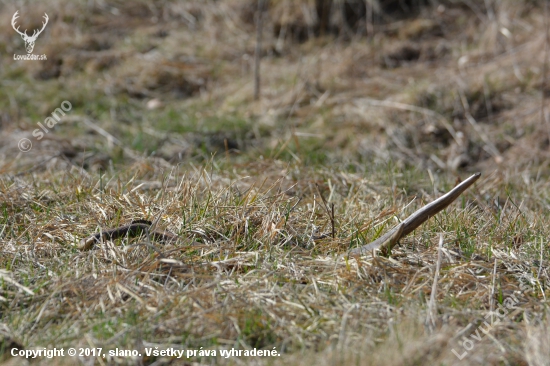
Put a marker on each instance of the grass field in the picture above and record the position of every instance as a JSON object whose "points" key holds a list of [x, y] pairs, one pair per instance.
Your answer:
{"points": [[368, 110]]}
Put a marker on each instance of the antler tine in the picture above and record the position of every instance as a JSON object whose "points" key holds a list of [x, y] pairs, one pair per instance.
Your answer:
{"points": [[14, 18], [43, 24], [36, 32], [14, 21]]}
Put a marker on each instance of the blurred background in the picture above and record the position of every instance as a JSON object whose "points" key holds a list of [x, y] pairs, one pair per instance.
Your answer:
{"points": [[447, 85]]}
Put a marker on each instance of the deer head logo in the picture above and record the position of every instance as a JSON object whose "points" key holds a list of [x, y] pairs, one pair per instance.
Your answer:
{"points": [[29, 41]]}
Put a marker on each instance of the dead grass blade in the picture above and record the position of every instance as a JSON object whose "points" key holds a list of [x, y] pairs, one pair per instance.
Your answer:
{"points": [[432, 306], [7, 276]]}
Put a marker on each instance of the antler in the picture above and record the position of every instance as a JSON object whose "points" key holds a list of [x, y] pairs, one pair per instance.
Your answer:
{"points": [[389, 239], [13, 21], [24, 34]]}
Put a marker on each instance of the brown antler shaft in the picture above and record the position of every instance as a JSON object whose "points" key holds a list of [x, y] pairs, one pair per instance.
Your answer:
{"points": [[134, 229], [389, 239]]}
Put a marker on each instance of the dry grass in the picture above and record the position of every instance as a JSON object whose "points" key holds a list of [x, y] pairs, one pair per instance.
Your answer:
{"points": [[164, 126], [258, 279]]}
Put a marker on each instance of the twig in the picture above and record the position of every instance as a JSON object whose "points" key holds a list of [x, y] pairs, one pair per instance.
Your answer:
{"points": [[432, 307], [492, 298], [330, 212], [257, 53], [541, 257], [369, 19], [332, 221], [389, 239], [544, 70]]}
